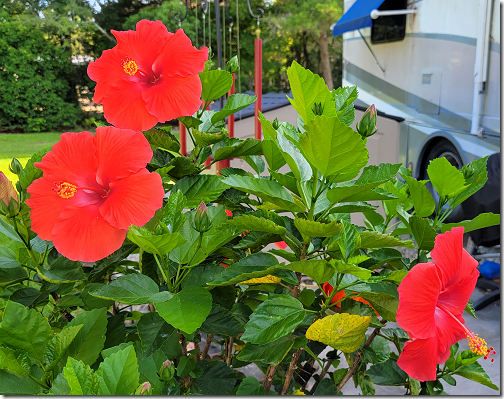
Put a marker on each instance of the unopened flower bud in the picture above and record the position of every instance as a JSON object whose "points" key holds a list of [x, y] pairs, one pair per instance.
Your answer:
{"points": [[9, 201], [232, 65], [167, 371], [276, 124], [318, 109], [367, 125], [15, 166], [144, 389], [202, 221]]}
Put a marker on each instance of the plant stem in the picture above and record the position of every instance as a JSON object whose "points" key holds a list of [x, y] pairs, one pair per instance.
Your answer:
{"points": [[357, 360], [229, 351], [322, 375], [161, 268], [64, 312], [183, 344], [39, 382], [290, 371], [270, 375], [207, 346]]}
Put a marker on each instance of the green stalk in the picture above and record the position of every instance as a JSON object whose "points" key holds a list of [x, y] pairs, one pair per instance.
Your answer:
{"points": [[161, 268]]}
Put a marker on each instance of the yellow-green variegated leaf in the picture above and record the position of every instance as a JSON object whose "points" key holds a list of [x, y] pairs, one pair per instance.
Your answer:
{"points": [[269, 279], [341, 331], [374, 239], [310, 228]]}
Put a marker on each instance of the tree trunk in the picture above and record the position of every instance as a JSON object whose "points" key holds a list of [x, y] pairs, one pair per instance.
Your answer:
{"points": [[324, 58]]}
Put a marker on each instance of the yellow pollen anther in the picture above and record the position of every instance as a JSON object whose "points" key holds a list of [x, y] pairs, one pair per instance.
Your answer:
{"points": [[64, 189], [129, 66], [477, 344]]}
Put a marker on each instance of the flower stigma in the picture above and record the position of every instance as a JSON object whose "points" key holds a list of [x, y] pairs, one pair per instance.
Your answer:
{"points": [[64, 189], [129, 66]]}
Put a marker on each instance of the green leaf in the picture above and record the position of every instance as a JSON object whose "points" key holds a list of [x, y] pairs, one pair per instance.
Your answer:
{"points": [[16, 361], [310, 228], [62, 270], [186, 310], [476, 373], [172, 216], [162, 139], [190, 121], [256, 162], [221, 321], [12, 276], [118, 373], [341, 331], [308, 89], [7, 258], [449, 379], [273, 318], [89, 341], [155, 244], [374, 239], [155, 333], [13, 384], [354, 270], [232, 148], [423, 232], [333, 148], [348, 241], [319, 270], [186, 365], [131, 289], [57, 347], [446, 179], [69, 301], [387, 373], [234, 103], [377, 352], [271, 353], [217, 379], [253, 266], [250, 386], [272, 155], [352, 207], [476, 176], [26, 329], [307, 297], [181, 166], [268, 190], [196, 189], [215, 84], [82, 380], [344, 97], [7, 230], [479, 222], [60, 386], [203, 138], [385, 304], [207, 126], [422, 198], [250, 222], [359, 190], [470, 309]]}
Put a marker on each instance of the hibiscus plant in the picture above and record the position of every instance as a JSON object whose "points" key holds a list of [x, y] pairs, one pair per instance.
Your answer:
{"points": [[127, 268]]}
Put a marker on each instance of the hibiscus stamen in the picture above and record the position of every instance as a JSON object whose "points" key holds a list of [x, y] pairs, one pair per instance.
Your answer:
{"points": [[476, 344], [64, 189], [129, 66]]}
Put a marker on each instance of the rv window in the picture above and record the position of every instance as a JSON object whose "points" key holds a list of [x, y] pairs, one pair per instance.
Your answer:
{"points": [[392, 28]]}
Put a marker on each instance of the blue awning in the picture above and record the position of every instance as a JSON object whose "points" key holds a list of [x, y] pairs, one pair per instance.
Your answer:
{"points": [[357, 17]]}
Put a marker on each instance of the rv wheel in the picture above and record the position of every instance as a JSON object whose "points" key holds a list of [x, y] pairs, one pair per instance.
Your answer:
{"points": [[447, 150]]}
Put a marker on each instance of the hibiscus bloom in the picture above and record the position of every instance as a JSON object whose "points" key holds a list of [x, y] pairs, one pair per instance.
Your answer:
{"points": [[92, 190], [432, 298], [328, 289], [150, 76]]}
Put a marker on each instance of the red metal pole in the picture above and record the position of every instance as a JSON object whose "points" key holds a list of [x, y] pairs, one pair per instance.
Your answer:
{"points": [[182, 139], [225, 163], [258, 86]]}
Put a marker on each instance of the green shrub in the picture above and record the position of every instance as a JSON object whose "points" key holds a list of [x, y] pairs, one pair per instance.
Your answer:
{"points": [[35, 75]]}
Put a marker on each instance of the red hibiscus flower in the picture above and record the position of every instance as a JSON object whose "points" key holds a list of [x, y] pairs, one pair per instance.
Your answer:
{"points": [[328, 289], [432, 298], [151, 76], [92, 190], [281, 244]]}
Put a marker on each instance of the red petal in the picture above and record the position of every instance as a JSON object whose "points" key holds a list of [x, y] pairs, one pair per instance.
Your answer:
{"points": [[229, 213], [145, 44], [179, 57], [418, 294], [106, 71], [418, 359], [120, 153], [447, 254], [449, 331], [456, 296], [133, 200], [124, 107], [73, 157], [82, 234], [281, 245], [173, 97]]}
